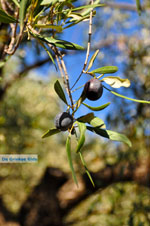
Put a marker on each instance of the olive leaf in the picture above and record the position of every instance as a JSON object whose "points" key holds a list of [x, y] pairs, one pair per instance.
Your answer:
{"points": [[60, 92], [86, 118], [47, 2], [86, 169], [110, 135], [92, 120], [128, 98], [92, 59], [5, 18], [116, 82], [68, 149], [82, 129], [59, 43], [51, 132], [97, 122], [105, 70], [22, 11], [99, 108]]}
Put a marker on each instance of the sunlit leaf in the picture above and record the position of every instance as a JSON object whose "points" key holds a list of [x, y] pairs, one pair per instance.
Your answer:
{"points": [[97, 122], [116, 82], [86, 169], [60, 92], [47, 2], [63, 44], [105, 70], [55, 27], [5, 18], [99, 108], [59, 43], [82, 129], [22, 12], [92, 6], [86, 118], [92, 59], [68, 149], [128, 98], [51, 132], [110, 135]]}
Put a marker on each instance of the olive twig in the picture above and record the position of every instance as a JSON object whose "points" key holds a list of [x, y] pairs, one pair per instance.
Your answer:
{"points": [[88, 46]]}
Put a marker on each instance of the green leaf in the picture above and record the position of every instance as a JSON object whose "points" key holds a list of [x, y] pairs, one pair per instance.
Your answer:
{"points": [[59, 43], [16, 3], [97, 108], [55, 27], [51, 132], [22, 12], [86, 169], [105, 70], [128, 98], [92, 59], [5, 18], [63, 44], [110, 135], [60, 92], [92, 6], [97, 122], [47, 2], [82, 129], [86, 118], [116, 82], [138, 6], [68, 149]]}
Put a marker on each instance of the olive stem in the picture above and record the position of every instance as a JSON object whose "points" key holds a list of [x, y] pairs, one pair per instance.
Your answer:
{"points": [[88, 46]]}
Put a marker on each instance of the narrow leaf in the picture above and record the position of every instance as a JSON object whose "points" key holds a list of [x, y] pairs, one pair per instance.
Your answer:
{"points": [[51, 132], [55, 27], [92, 6], [68, 149], [47, 2], [59, 43], [86, 118], [63, 44], [92, 59], [82, 129], [97, 122], [86, 169], [22, 12], [5, 18], [110, 135], [128, 98], [116, 82], [105, 70], [60, 92], [97, 108]]}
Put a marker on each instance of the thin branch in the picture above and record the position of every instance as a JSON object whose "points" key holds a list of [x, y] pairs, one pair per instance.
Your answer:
{"points": [[88, 47], [13, 36]]}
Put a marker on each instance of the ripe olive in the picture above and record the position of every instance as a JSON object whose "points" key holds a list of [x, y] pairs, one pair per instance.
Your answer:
{"points": [[63, 121], [93, 89]]}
